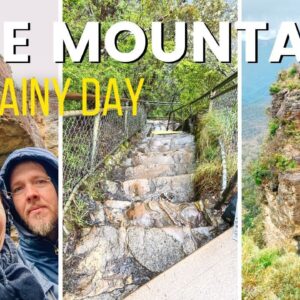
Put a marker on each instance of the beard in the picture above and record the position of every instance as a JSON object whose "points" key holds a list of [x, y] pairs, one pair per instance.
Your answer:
{"points": [[38, 225]]}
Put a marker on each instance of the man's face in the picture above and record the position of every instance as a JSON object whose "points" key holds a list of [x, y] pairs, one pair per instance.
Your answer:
{"points": [[34, 197], [2, 224]]}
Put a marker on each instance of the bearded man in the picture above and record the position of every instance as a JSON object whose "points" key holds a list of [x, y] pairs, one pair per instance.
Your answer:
{"points": [[31, 179]]}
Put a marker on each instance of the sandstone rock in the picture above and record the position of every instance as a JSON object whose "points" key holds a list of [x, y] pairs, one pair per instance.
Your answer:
{"points": [[157, 170], [23, 131], [282, 217], [163, 213], [286, 105], [154, 249], [137, 187]]}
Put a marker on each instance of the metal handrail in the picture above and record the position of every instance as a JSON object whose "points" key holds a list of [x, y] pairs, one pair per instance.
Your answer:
{"points": [[207, 94]]}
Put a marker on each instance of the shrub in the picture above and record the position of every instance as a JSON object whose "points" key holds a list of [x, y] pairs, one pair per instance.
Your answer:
{"points": [[292, 71], [282, 163], [260, 172], [273, 126], [274, 89], [269, 167]]}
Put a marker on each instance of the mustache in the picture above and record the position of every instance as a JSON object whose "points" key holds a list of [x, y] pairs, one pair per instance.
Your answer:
{"points": [[33, 207]]}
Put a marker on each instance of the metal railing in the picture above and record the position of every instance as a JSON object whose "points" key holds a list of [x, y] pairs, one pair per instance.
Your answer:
{"points": [[88, 140], [185, 112]]}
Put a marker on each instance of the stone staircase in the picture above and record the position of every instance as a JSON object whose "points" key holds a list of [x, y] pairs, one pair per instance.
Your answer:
{"points": [[147, 223]]}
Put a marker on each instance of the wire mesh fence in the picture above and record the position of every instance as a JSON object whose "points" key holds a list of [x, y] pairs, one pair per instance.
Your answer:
{"points": [[88, 140]]}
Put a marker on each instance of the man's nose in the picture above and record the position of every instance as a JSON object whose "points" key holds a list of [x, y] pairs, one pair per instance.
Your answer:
{"points": [[31, 192]]}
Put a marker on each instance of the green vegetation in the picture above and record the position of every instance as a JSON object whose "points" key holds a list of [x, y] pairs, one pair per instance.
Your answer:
{"points": [[269, 273], [91, 188], [287, 79], [273, 126], [77, 215], [274, 89], [267, 168], [179, 82], [214, 126], [292, 131]]}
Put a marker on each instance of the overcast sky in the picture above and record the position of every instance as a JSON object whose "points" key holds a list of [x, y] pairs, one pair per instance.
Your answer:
{"points": [[272, 11], [41, 14]]}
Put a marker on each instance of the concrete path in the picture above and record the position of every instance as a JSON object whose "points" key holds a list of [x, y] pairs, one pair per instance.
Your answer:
{"points": [[210, 273]]}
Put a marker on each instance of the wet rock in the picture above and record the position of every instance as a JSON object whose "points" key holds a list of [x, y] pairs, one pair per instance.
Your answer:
{"points": [[115, 211], [102, 245], [163, 213], [154, 249]]}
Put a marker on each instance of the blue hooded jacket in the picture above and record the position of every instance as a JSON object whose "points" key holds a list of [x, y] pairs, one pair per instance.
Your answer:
{"points": [[39, 251]]}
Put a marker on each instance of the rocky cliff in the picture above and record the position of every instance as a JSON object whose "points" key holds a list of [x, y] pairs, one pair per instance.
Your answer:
{"points": [[22, 131], [281, 182]]}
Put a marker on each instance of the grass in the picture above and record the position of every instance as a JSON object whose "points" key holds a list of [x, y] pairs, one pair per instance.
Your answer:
{"points": [[273, 127], [215, 125], [78, 213], [208, 177], [287, 79], [269, 273]]}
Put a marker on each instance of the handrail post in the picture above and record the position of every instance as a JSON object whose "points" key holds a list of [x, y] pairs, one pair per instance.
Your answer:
{"points": [[126, 122], [95, 139]]}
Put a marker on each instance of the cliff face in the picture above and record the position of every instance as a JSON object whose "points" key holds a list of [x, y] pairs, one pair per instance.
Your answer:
{"points": [[23, 131], [282, 192]]}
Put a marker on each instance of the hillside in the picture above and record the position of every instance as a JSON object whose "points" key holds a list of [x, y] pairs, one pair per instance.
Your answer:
{"points": [[271, 200]]}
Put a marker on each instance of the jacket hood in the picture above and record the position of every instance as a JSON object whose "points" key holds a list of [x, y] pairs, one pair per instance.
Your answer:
{"points": [[39, 155]]}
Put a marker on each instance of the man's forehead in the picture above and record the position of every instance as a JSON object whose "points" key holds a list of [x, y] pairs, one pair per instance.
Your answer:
{"points": [[26, 167]]}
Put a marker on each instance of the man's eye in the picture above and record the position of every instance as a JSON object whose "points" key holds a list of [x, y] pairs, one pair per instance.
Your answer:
{"points": [[17, 189], [41, 181]]}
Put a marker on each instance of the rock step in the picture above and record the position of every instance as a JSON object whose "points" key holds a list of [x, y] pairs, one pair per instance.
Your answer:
{"points": [[112, 256], [157, 170], [177, 188], [163, 147], [163, 143], [160, 213], [181, 139], [179, 156]]}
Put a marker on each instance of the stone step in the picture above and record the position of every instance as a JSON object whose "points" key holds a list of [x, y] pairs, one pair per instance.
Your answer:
{"points": [[181, 138], [116, 261], [174, 188], [157, 214], [179, 156], [163, 147], [157, 170]]}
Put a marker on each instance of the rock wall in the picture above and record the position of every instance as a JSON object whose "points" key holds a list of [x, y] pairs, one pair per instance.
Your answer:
{"points": [[282, 194], [286, 105], [23, 131]]}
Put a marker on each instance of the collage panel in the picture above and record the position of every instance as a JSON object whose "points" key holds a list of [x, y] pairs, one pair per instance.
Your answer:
{"points": [[271, 152], [149, 150], [28, 155], [150, 155]]}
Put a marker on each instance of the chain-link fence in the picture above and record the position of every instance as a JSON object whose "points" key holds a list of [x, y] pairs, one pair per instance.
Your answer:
{"points": [[88, 140]]}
